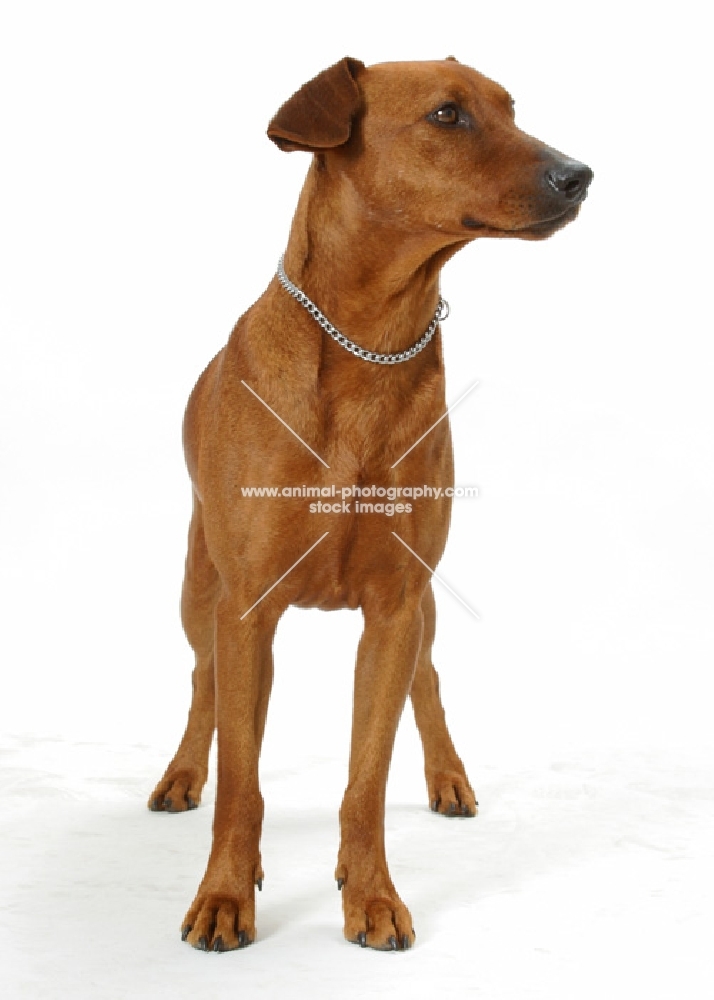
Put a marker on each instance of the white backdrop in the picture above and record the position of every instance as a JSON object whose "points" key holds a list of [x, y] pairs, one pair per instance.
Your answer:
{"points": [[144, 209]]}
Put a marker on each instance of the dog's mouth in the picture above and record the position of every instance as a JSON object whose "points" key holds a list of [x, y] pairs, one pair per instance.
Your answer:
{"points": [[533, 231], [541, 230]]}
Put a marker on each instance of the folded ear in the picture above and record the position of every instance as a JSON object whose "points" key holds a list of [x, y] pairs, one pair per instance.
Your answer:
{"points": [[319, 115]]}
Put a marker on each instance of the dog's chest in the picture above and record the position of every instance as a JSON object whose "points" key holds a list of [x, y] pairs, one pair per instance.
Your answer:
{"points": [[366, 424]]}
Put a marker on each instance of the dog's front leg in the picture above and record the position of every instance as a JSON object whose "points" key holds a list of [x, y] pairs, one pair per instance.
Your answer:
{"points": [[222, 916], [374, 914]]}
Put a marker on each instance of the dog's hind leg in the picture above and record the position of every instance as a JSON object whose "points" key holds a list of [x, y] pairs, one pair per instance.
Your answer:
{"points": [[449, 790], [180, 788]]}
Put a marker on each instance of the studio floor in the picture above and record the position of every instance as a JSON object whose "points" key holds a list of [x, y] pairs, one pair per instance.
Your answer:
{"points": [[584, 876]]}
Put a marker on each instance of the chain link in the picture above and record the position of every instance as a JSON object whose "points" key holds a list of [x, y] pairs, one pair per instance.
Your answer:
{"points": [[442, 311]]}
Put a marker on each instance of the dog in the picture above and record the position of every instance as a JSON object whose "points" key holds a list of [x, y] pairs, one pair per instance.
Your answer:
{"points": [[330, 379]]}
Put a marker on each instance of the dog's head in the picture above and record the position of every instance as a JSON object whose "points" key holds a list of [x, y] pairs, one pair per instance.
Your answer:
{"points": [[435, 145]]}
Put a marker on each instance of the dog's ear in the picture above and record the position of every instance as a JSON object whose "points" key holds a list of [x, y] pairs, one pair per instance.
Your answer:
{"points": [[319, 115]]}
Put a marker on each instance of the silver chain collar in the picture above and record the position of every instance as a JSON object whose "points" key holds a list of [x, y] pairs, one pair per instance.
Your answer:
{"points": [[442, 311]]}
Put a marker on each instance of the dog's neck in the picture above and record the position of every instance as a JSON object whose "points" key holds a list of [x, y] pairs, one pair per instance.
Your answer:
{"points": [[378, 284]]}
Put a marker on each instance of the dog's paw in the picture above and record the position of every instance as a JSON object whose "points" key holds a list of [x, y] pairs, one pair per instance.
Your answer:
{"points": [[384, 924], [179, 790], [451, 795], [374, 919], [218, 922]]}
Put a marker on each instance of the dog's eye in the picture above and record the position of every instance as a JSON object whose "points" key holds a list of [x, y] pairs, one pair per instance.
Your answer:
{"points": [[447, 114]]}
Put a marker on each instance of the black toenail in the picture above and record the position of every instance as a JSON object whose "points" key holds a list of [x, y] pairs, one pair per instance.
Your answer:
{"points": [[218, 944], [340, 883], [203, 944], [362, 939], [185, 931]]}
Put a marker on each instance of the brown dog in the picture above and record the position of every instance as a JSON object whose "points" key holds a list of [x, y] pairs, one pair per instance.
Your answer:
{"points": [[411, 162]]}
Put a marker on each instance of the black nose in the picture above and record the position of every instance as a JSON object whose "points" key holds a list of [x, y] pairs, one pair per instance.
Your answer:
{"points": [[569, 179]]}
